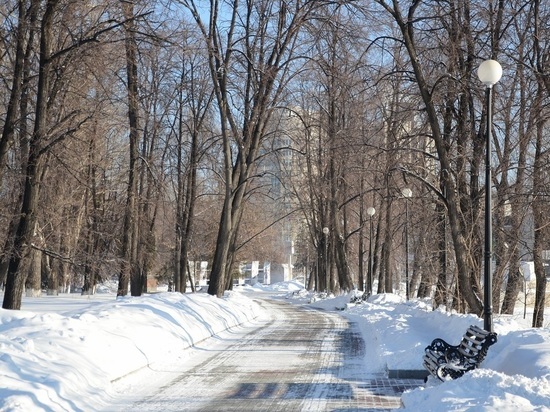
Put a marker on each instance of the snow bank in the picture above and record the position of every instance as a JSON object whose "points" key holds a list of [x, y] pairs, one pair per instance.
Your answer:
{"points": [[69, 360], [515, 375], [482, 390], [60, 360]]}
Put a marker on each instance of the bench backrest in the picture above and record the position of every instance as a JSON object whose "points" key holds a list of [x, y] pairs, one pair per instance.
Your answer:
{"points": [[476, 340]]}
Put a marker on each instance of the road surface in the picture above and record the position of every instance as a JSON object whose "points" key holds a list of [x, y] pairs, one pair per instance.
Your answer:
{"points": [[297, 359]]}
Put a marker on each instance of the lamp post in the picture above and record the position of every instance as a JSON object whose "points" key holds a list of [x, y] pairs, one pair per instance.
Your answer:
{"points": [[325, 233], [291, 252], [407, 193], [370, 211], [489, 72]]}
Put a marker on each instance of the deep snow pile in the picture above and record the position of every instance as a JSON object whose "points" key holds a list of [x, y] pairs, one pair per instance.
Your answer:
{"points": [[515, 375], [62, 353], [66, 361]]}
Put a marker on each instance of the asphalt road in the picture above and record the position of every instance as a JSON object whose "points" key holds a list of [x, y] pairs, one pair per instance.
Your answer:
{"points": [[297, 359]]}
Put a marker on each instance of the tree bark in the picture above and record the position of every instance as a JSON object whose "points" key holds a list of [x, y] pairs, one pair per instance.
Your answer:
{"points": [[34, 170], [361, 246], [540, 222], [8, 131], [129, 270], [18, 98], [387, 274]]}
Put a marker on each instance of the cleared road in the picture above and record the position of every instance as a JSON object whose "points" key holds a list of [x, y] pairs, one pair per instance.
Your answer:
{"points": [[296, 360]]}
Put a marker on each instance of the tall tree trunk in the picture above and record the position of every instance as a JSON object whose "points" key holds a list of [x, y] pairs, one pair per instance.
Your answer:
{"points": [[441, 291], [129, 270], [540, 222], [514, 284], [540, 170], [361, 246], [19, 96], [52, 276], [187, 214], [92, 211], [219, 263], [376, 248], [179, 270], [34, 273], [8, 130], [342, 278], [386, 251], [34, 170]]}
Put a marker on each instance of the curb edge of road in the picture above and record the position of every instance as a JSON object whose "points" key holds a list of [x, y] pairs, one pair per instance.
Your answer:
{"points": [[407, 373]]}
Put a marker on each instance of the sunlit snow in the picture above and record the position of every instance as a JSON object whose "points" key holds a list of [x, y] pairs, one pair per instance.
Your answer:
{"points": [[62, 353]]}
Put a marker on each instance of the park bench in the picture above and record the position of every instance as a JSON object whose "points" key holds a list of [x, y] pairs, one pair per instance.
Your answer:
{"points": [[446, 361]]}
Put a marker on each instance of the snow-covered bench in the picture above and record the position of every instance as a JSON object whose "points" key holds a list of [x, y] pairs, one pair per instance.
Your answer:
{"points": [[446, 361]]}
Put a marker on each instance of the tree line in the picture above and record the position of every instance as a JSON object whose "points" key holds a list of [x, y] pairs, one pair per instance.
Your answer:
{"points": [[138, 136]]}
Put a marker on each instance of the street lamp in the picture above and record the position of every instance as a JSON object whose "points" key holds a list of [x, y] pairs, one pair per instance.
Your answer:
{"points": [[290, 259], [489, 72], [326, 232], [407, 193], [370, 211]]}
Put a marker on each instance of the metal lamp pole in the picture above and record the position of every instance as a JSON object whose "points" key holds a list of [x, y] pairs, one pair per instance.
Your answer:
{"points": [[407, 193], [489, 72], [326, 232], [370, 211]]}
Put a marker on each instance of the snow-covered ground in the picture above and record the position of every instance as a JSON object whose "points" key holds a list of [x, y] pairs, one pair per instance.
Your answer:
{"points": [[62, 353]]}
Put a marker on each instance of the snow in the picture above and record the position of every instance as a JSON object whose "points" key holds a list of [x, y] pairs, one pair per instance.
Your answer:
{"points": [[63, 353]]}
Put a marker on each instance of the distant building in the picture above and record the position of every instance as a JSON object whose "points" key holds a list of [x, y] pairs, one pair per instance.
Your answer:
{"points": [[253, 272], [279, 273]]}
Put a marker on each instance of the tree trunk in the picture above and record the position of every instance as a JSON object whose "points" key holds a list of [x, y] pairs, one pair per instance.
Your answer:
{"points": [[539, 221], [361, 256], [28, 219], [441, 292], [381, 274], [377, 245], [514, 284], [187, 216], [92, 211], [540, 289], [179, 270], [540, 171], [388, 274], [18, 96], [51, 275], [34, 273], [129, 270], [23, 100], [8, 131], [324, 262], [414, 284], [219, 263]]}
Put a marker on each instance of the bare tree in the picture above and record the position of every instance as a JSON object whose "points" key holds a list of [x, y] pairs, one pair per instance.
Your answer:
{"points": [[56, 119], [513, 203], [129, 270], [540, 168], [249, 71], [35, 166], [194, 102], [468, 277], [17, 107], [24, 35]]}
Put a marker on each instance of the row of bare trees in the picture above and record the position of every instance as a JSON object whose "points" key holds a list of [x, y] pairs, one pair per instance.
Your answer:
{"points": [[138, 137], [398, 104]]}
